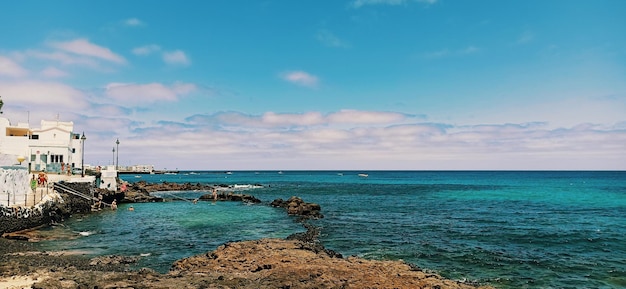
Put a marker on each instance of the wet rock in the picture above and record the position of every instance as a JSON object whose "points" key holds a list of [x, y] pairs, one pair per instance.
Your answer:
{"points": [[231, 197], [297, 207], [276, 263], [113, 259]]}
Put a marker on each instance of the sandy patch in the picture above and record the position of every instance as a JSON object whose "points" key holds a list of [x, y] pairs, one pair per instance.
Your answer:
{"points": [[18, 282]]}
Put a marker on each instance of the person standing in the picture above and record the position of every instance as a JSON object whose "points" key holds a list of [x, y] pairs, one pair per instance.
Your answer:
{"points": [[33, 184]]}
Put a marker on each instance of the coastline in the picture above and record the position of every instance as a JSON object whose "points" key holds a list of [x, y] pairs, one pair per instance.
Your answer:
{"points": [[299, 261], [264, 263]]}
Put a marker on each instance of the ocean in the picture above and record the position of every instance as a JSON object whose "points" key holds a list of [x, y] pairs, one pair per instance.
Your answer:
{"points": [[508, 229]]}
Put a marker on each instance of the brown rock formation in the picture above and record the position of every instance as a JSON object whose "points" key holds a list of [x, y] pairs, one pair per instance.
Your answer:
{"points": [[276, 263], [297, 207], [265, 263], [232, 197]]}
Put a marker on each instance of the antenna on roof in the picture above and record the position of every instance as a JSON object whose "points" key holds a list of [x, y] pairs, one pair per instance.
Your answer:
{"points": [[1, 104]]}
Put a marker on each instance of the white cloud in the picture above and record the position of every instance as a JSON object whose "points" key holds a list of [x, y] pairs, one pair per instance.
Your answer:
{"points": [[85, 48], [133, 22], [306, 119], [53, 72], [133, 94], [471, 49], [389, 143], [146, 50], [64, 58], [51, 95], [177, 57], [271, 120], [11, 68], [301, 78], [365, 117]]}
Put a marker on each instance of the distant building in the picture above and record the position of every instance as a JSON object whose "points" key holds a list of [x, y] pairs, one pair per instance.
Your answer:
{"points": [[137, 169]]}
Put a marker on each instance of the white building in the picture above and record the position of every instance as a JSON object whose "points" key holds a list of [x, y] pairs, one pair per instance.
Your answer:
{"points": [[14, 141], [55, 146], [139, 169], [51, 147]]}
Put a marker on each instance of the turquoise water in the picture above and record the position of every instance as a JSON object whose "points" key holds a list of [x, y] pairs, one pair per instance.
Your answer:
{"points": [[507, 229]]}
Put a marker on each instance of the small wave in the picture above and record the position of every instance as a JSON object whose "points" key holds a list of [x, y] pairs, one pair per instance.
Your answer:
{"points": [[247, 186], [86, 233], [145, 254]]}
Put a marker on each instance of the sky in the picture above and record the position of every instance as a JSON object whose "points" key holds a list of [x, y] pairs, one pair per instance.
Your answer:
{"points": [[325, 84]]}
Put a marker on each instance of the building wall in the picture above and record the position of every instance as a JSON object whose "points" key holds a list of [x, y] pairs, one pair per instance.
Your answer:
{"points": [[54, 147], [11, 146]]}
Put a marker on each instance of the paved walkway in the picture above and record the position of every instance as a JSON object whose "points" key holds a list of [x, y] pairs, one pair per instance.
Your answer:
{"points": [[33, 198]]}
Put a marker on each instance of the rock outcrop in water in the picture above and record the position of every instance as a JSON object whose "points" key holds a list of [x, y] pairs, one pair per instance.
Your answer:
{"points": [[139, 192], [297, 207]]}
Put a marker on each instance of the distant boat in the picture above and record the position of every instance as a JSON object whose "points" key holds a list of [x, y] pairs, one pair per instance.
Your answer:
{"points": [[363, 175], [137, 176], [229, 173], [340, 174], [280, 172]]}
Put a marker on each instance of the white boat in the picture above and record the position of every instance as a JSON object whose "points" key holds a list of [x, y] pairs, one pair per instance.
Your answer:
{"points": [[363, 175]]}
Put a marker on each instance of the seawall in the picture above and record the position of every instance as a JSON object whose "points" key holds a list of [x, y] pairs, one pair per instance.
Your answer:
{"points": [[53, 208]]}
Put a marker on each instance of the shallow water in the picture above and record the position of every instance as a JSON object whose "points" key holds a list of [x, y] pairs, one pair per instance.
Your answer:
{"points": [[507, 229], [164, 232]]}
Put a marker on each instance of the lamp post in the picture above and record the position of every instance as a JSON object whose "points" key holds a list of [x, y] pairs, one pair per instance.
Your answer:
{"points": [[20, 159], [113, 159], [82, 159], [117, 160]]}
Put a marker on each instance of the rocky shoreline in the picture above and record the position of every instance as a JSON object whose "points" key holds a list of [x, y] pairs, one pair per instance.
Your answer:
{"points": [[299, 261]]}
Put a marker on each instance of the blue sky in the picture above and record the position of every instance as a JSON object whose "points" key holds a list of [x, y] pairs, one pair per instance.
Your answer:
{"points": [[355, 84]]}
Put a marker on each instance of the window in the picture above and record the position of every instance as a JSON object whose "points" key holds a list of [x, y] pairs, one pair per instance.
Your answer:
{"points": [[35, 136]]}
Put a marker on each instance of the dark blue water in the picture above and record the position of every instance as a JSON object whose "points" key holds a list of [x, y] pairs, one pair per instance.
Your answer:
{"points": [[507, 229]]}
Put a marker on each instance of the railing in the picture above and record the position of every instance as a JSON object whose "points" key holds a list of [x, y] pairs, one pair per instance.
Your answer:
{"points": [[65, 189]]}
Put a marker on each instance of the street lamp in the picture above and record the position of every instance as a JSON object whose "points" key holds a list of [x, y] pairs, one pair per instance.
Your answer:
{"points": [[20, 159], [113, 159], [117, 161], [82, 159]]}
